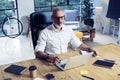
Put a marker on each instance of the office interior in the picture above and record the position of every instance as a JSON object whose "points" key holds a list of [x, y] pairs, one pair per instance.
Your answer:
{"points": [[21, 48]]}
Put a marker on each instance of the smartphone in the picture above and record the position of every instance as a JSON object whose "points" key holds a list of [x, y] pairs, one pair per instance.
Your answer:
{"points": [[104, 63]]}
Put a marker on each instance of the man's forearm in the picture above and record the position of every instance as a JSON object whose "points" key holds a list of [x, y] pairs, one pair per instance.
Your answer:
{"points": [[84, 47], [47, 57], [41, 55]]}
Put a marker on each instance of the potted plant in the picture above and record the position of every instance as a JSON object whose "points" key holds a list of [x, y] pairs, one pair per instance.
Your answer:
{"points": [[87, 9], [87, 18]]}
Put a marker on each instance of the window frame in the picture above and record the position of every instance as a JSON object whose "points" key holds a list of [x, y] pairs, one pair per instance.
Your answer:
{"points": [[52, 6]]}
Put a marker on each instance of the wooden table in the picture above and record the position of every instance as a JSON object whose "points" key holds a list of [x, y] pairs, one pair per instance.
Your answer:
{"points": [[109, 51]]}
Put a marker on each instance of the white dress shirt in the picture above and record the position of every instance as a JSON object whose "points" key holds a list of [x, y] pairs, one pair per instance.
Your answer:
{"points": [[52, 41]]}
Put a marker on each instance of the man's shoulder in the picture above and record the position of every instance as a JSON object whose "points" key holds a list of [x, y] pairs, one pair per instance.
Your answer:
{"points": [[67, 28], [47, 29]]}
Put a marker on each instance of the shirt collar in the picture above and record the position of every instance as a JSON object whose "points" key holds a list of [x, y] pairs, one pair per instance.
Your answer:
{"points": [[54, 29]]}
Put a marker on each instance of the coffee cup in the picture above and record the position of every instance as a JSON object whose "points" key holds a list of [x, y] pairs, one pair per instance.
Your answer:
{"points": [[33, 71]]}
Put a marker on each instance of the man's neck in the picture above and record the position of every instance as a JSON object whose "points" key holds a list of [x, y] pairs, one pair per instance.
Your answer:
{"points": [[59, 28]]}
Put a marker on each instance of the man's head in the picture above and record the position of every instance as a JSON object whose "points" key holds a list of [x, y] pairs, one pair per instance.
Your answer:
{"points": [[58, 17]]}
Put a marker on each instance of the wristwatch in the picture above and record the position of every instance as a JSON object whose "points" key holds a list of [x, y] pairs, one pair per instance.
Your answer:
{"points": [[47, 56], [89, 49]]}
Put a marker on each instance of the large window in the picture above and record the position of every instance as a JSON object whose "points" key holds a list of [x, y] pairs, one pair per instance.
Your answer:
{"points": [[7, 8], [48, 5]]}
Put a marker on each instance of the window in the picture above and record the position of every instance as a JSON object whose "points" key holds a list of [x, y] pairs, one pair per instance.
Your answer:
{"points": [[48, 5], [7, 7]]}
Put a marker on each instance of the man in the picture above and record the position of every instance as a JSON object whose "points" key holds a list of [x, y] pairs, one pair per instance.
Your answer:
{"points": [[55, 38]]}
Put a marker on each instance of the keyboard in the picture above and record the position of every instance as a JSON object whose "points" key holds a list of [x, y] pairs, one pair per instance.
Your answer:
{"points": [[62, 65]]}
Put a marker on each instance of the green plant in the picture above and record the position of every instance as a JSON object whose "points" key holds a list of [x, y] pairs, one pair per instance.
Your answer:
{"points": [[87, 9]]}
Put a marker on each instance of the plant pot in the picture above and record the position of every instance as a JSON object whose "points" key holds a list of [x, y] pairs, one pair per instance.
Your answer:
{"points": [[89, 22]]}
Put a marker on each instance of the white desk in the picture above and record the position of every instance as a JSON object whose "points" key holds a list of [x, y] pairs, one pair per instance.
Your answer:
{"points": [[73, 24]]}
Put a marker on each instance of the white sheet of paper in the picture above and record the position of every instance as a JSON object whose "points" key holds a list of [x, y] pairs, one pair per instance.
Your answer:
{"points": [[84, 52]]}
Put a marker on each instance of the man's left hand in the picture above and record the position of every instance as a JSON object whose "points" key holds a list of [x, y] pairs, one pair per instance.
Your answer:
{"points": [[94, 52]]}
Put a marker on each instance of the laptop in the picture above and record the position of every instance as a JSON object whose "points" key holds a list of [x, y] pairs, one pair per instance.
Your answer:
{"points": [[74, 61]]}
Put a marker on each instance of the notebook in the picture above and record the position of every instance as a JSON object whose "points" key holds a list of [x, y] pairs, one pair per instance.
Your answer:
{"points": [[15, 69], [74, 61]]}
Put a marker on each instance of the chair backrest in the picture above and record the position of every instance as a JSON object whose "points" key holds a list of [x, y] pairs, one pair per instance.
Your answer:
{"points": [[39, 21], [89, 22]]}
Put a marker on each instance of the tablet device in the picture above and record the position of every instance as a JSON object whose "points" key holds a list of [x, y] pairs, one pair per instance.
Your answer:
{"points": [[15, 69], [104, 63]]}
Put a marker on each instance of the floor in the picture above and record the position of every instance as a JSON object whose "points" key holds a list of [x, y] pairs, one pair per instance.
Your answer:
{"points": [[15, 49], [101, 39]]}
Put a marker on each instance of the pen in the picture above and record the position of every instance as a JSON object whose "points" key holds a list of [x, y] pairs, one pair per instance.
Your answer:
{"points": [[88, 77]]}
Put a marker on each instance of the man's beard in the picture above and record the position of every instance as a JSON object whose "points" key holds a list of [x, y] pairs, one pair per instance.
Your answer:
{"points": [[58, 25]]}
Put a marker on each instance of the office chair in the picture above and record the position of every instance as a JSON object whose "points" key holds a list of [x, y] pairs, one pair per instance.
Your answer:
{"points": [[38, 22]]}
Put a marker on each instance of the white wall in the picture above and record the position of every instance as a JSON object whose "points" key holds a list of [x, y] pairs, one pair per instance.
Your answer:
{"points": [[20, 48], [105, 20], [25, 8]]}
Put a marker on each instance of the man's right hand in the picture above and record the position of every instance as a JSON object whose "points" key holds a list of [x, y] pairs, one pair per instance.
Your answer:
{"points": [[49, 57], [52, 58]]}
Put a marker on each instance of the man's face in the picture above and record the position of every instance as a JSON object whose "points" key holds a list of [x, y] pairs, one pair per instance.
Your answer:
{"points": [[58, 19]]}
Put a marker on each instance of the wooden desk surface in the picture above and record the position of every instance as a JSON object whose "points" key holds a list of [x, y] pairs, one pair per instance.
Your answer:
{"points": [[98, 73]]}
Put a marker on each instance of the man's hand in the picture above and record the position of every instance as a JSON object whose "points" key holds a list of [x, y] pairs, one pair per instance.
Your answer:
{"points": [[52, 58], [94, 52], [86, 48]]}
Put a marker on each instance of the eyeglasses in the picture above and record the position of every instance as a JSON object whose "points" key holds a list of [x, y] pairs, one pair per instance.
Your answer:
{"points": [[60, 17]]}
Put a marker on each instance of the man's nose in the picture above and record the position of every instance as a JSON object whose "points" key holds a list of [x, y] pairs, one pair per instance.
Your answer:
{"points": [[60, 19]]}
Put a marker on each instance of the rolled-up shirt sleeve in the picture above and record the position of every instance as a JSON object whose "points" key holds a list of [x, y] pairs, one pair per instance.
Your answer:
{"points": [[74, 41], [41, 42]]}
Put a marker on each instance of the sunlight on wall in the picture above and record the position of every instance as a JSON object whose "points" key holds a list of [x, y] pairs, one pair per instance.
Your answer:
{"points": [[106, 21]]}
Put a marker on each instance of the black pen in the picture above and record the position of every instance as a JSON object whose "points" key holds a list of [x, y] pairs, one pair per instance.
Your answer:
{"points": [[88, 77]]}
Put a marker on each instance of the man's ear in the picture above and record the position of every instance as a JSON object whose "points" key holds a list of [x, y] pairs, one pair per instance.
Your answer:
{"points": [[52, 17], [64, 17]]}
